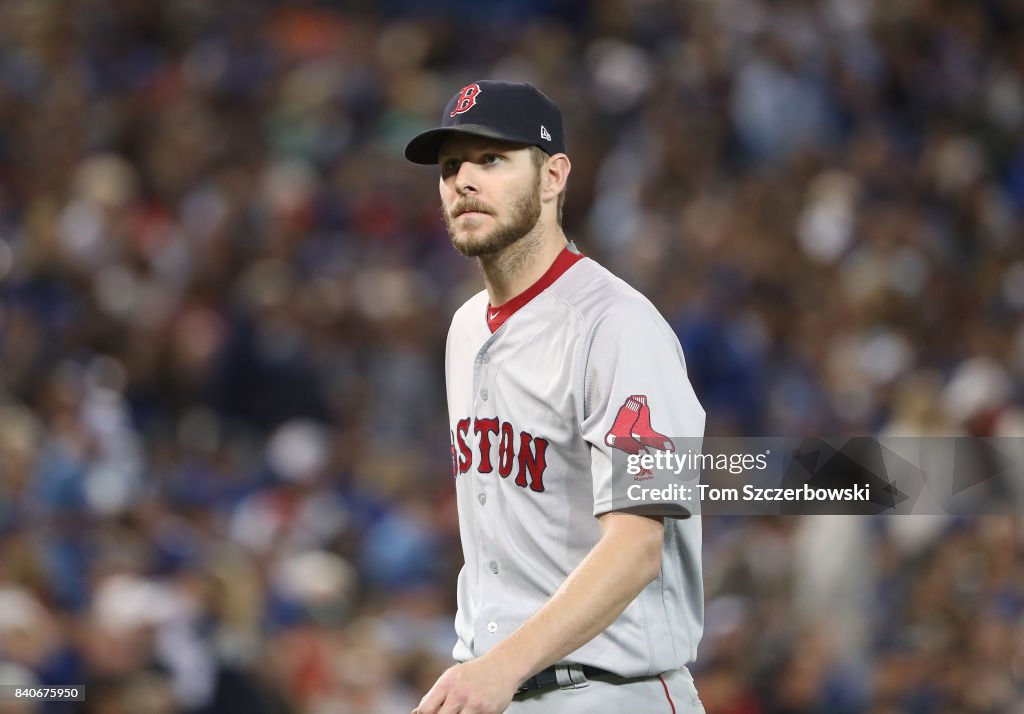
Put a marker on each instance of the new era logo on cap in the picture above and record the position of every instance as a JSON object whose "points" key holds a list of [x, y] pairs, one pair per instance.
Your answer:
{"points": [[509, 111]]}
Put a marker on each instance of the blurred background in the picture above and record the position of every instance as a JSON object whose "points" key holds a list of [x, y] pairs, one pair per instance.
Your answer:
{"points": [[224, 470]]}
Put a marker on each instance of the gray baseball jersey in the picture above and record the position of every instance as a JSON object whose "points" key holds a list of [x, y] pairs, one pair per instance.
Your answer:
{"points": [[541, 392]]}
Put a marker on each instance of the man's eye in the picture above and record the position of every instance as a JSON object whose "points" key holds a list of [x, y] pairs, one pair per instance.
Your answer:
{"points": [[491, 158], [450, 166]]}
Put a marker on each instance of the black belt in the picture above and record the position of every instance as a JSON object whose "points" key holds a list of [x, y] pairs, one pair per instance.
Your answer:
{"points": [[548, 677]]}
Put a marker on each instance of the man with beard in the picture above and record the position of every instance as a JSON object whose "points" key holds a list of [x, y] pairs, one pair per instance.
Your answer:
{"points": [[569, 601]]}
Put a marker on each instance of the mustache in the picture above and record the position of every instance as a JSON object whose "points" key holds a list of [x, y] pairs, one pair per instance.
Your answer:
{"points": [[466, 205]]}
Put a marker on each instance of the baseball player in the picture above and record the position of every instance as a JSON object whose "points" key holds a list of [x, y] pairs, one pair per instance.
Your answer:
{"points": [[555, 372]]}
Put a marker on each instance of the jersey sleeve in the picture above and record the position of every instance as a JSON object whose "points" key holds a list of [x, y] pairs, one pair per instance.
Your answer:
{"points": [[638, 401]]}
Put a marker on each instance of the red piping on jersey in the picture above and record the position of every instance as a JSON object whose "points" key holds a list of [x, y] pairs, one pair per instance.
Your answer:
{"points": [[496, 316], [667, 695]]}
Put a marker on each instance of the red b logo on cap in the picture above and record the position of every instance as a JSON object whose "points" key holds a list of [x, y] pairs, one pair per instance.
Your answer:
{"points": [[467, 98]]}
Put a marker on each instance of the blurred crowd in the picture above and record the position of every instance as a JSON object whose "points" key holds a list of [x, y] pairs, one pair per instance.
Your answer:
{"points": [[224, 471]]}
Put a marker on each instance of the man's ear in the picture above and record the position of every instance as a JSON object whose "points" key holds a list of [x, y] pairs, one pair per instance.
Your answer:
{"points": [[556, 173]]}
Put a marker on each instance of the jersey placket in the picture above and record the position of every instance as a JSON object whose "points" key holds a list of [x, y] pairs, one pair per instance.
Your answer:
{"points": [[484, 492]]}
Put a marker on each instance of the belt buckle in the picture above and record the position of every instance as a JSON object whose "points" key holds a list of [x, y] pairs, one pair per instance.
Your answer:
{"points": [[570, 676], [563, 676]]}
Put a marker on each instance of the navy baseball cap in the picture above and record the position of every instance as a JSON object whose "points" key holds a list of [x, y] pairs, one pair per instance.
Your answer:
{"points": [[510, 111]]}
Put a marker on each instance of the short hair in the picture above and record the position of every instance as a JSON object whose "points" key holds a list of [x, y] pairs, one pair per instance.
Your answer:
{"points": [[539, 156]]}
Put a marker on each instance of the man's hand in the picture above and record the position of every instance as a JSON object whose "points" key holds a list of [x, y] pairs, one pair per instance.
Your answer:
{"points": [[479, 686], [624, 561]]}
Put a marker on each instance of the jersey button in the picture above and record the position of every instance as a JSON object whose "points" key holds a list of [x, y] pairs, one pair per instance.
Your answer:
{"points": [[492, 627], [494, 567], [482, 498], [484, 395], [485, 358]]}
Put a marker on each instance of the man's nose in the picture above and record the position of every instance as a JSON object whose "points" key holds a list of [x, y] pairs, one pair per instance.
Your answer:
{"points": [[466, 178]]}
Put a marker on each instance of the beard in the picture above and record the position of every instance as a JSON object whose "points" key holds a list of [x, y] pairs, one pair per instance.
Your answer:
{"points": [[524, 214]]}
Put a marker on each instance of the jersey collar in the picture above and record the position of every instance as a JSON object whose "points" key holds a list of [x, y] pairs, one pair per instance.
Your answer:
{"points": [[496, 316]]}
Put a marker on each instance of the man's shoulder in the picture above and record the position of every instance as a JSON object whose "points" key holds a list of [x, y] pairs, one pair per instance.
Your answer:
{"points": [[600, 296], [471, 312]]}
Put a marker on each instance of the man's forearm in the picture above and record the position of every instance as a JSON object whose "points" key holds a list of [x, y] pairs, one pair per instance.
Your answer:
{"points": [[624, 561]]}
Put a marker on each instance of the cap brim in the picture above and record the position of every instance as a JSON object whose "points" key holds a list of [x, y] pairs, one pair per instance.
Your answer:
{"points": [[424, 147]]}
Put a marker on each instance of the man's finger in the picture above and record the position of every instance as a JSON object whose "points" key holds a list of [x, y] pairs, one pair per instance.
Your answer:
{"points": [[431, 702], [452, 706]]}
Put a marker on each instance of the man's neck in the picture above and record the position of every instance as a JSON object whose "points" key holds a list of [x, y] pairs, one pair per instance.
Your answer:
{"points": [[519, 266]]}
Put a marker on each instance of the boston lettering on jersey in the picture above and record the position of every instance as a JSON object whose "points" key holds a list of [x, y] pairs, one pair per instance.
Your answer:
{"points": [[525, 454]]}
